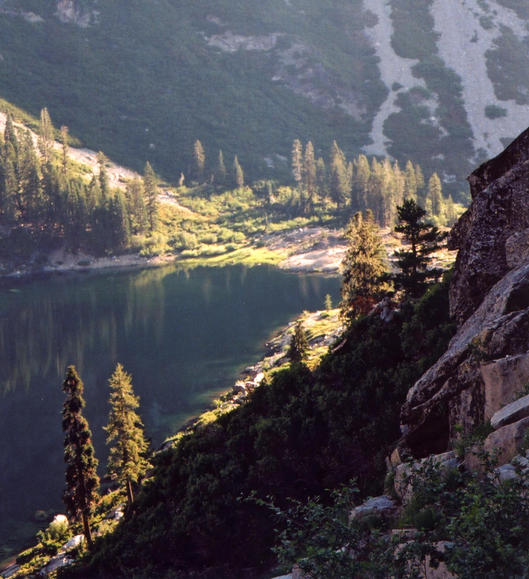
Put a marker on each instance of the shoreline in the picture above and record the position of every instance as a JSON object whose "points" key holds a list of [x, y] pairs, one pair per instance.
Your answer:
{"points": [[307, 250]]}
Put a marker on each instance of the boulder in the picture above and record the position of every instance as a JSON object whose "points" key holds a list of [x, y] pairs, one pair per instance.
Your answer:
{"points": [[405, 471], [239, 388], [508, 441], [73, 543], [511, 413], [504, 380], [506, 472], [54, 564], [383, 506]]}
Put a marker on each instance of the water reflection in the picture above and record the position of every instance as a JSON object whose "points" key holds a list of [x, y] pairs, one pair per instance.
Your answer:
{"points": [[184, 335]]}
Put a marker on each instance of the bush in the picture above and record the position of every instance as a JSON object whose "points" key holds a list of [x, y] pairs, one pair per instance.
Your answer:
{"points": [[495, 112], [183, 240]]}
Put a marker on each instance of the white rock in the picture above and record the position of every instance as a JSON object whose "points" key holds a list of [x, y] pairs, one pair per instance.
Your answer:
{"points": [[511, 413], [73, 543], [382, 505]]}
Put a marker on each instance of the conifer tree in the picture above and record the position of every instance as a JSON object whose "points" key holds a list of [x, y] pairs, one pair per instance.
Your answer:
{"points": [[220, 173], [363, 267], [299, 344], [136, 201], [104, 184], [297, 162], [126, 462], [309, 175], [360, 183], [238, 175], [199, 157], [423, 239], [340, 185], [29, 189], [64, 152], [82, 482], [151, 195], [435, 195], [46, 135], [321, 178], [419, 180], [10, 134], [410, 180]]}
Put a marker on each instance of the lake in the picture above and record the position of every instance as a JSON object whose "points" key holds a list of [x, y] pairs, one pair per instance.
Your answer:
{"points": [[184, 335]]}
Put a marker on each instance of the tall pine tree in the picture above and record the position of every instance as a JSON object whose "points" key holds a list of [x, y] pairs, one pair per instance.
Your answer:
{"points": [[297, 162], [363, 267], [238, 174], [199, 157], [127, 461], [82, 482]]}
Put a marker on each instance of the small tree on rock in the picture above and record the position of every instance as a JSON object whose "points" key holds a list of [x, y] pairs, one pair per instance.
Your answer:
{"points": [[82, 482], [127, 461], [423, 239]]}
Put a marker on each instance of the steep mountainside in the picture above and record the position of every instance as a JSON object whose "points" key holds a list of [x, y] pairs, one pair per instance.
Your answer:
{"points": [[442, 82]]}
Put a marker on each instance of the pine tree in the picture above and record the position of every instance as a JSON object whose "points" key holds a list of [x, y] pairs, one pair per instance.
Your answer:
{"points": [[136, 202], [360, 183], [423, 239], [419, 180], [82, 482], [297, 162], [220, 173], [410, 181], [238, 175], [363, 267], [104, 184], [299, 344], [151, 195], [340, 185], [199, 157], [64, 152], [126, 462], [321, 178], [309, 175], [46, 135], [435, 195]]}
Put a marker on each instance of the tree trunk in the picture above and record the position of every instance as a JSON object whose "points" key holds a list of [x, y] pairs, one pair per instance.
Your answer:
{"points": [[130, 496], [87, 531]]}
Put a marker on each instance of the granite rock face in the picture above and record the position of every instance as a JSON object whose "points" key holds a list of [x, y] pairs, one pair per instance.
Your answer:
{"points": [[486, 365], [493, 235]]}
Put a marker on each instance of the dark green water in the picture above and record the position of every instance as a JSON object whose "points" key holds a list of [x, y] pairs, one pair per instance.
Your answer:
{"points": [[184, 336]]}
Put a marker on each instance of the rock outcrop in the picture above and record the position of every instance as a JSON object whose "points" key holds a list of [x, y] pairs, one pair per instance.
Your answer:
{"points": [[68, 11], [486, 365]]}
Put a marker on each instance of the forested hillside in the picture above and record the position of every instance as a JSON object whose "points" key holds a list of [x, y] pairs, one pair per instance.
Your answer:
{"points": [[143, 81], [52, 204]]}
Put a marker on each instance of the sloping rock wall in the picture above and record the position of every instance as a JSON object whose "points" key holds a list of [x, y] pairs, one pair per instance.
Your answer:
{"points": [[487, 362]]}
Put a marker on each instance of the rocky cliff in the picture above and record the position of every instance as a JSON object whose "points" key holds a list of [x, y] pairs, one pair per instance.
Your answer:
{"points": [[486, 367]]}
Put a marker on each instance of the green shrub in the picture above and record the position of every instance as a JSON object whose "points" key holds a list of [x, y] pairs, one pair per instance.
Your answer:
{"points": [[495, 112]]}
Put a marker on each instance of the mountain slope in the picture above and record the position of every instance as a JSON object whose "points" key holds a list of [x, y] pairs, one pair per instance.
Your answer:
{"points": [[421, 80]]}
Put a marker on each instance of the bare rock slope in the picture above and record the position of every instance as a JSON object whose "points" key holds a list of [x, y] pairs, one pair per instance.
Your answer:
{"points": [[487, 363]]}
